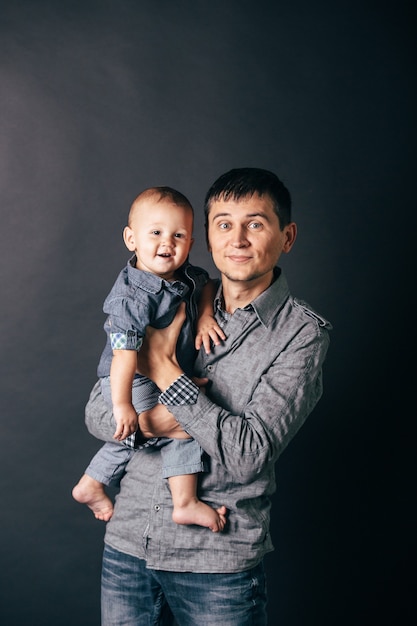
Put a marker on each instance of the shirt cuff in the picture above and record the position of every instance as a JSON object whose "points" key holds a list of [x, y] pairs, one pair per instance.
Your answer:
{"points": [[129, 340], [181, 391]]}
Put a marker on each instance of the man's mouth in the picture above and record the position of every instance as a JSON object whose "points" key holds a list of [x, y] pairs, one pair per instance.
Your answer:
{"points": [[238, 258]]}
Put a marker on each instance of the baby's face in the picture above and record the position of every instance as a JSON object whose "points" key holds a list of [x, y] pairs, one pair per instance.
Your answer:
{"points": [[160, 234]]}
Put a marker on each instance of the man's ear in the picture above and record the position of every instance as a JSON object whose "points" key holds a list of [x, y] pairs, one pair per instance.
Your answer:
{"points": [[290, 236], [129, 239]]}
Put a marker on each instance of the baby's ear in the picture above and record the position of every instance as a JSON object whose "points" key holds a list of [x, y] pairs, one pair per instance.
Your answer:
{"points": [[129, 239]]}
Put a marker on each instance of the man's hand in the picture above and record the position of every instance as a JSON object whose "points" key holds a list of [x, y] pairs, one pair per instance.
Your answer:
{"points": [[159, 422]]}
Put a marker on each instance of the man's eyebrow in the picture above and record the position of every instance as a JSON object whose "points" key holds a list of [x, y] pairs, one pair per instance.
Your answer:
{"points": [[216, 215], [248, 215]]}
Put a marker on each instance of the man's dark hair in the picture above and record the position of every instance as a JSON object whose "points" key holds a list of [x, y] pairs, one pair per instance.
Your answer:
{"points": [[244, 182]]}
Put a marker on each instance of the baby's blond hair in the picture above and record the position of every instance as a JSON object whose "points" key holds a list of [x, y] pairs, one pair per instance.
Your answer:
{"points": [[160, 193]]}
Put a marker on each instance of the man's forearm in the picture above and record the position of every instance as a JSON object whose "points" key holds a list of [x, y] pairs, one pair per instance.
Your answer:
{"points": [[165, 374], [157, 357], [99, 416], [161, 369]]}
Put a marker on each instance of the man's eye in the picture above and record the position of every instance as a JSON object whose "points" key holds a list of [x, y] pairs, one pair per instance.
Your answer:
{"points": [[255, 225], [223, 225]]}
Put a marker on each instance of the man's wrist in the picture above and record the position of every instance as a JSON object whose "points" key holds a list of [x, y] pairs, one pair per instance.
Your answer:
{"points": [[180, 392], [165, 373]]}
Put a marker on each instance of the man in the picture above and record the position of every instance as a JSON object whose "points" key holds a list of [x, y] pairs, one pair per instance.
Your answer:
{"points": [[260, 384]]}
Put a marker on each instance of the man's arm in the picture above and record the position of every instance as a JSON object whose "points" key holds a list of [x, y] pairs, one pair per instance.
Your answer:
{"points": [[157, 358], [281, 400], [99, 416]]}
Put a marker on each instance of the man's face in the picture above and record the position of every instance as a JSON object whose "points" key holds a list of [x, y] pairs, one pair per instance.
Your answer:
{"points": [[245, 239]]}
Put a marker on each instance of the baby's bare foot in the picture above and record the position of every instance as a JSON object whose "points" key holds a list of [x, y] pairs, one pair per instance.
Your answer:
{"points": [[196, 512], [90, 492]]}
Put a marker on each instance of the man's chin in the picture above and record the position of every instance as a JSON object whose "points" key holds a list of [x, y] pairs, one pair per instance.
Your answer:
{"points": [[238, 277]]}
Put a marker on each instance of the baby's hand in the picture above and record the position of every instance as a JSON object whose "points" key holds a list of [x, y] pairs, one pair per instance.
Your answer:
{"points": [[208, 328], [126, 420]]}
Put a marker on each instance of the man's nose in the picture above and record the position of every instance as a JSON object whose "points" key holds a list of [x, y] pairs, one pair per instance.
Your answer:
{"points": [[239, 238]]}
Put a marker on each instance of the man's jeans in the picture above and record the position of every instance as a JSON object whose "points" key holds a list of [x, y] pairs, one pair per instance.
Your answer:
{"points": [[135, 596]]}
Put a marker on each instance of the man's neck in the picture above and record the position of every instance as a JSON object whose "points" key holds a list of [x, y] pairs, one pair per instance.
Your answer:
{"points": [[238, 294]]}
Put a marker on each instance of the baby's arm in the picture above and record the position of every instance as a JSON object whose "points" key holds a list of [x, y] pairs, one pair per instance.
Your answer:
{"points": [[207, 327], [122, 372]]}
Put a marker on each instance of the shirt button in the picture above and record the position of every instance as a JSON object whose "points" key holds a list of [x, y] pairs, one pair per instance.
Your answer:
{"points": [[157, 507], [209, 368]]}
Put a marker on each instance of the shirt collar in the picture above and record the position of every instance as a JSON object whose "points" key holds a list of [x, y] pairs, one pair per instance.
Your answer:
{"points": [[152, 283], [268, 302]]}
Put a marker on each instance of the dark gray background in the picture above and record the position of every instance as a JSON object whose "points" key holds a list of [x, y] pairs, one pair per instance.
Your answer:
{"points": [[100, 99]]}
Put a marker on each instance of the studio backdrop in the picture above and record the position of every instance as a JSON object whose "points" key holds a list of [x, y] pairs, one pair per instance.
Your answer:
{"points": [[100, 99]]}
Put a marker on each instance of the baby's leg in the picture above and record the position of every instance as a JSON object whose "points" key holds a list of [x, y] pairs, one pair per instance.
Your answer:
{"points": [[107, 467], [91, 492], [188, 509]]}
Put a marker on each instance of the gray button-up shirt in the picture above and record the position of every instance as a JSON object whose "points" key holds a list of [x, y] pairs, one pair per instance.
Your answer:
{"points": [[265, 379]]}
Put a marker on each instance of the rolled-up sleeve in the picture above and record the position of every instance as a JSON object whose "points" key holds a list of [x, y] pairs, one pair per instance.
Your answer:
{"points": [[182, 391]]}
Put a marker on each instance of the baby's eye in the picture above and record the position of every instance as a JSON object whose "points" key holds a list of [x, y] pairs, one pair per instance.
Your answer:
{"points": [[156, 232], [179, 235]]}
